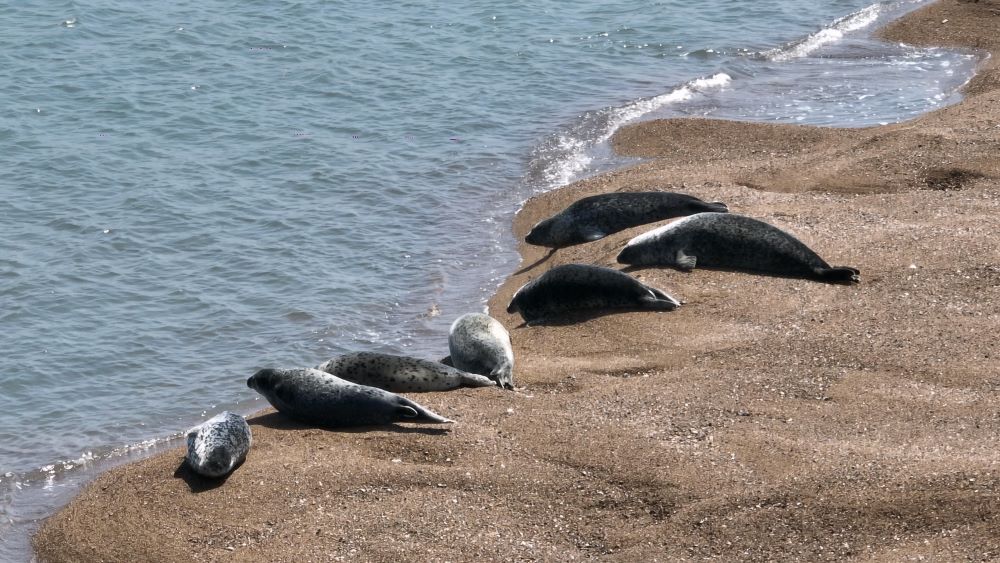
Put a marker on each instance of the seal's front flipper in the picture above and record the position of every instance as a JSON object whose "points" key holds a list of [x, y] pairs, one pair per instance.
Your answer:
{"points": [[476, 380], [685, 262], [447, 361], [839, 274], [407, 412], [591, 234]]}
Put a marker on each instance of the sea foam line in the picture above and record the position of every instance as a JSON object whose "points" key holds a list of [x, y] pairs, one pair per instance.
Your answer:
{"points": [[830, 34], [574, 150]]}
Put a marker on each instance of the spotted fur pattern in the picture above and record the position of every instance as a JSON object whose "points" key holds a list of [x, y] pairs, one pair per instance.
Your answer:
{"points": [[400, 374], [216, 446], [316, 397]]}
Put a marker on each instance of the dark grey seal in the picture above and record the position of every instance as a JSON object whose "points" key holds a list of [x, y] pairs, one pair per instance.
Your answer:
{"points": [[322, 399], [734, 242], [216, 446], [400, 374], [577, 287], [598, 216], [478, 343]]}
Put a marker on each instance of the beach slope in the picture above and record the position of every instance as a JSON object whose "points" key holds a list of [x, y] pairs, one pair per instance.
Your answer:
{"points": [[766, 419]]}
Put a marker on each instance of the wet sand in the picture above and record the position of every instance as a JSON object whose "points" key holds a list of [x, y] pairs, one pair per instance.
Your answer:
{"points": [[766, 419]]}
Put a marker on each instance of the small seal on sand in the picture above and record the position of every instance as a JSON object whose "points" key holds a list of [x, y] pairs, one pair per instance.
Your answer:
{"points": [[577, 287], [400, 374], [732, 242], [478, 343], [598, 216], [319, 398], [216, 446]]}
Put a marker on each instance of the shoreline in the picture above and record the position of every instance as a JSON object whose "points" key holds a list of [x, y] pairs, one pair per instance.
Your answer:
{"points": [[502, 485]]}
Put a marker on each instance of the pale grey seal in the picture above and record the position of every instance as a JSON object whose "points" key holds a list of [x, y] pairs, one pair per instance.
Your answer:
{"points": [[215, 447], [578, 287], [319, 398], [478, 343], [400, 373], [729, 241], [598, 216]]}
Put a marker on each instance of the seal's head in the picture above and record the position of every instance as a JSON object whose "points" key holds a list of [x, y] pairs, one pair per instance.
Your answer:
{"points": [[541, 233], [263, 380], [629, 255]]}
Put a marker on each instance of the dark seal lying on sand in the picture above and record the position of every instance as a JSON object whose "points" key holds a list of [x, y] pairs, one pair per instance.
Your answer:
{"points": [[598, 216], [578, 287], [728, 241]]}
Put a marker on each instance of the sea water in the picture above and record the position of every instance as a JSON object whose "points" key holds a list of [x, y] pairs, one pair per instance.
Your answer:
{"points": [[190, 191]]}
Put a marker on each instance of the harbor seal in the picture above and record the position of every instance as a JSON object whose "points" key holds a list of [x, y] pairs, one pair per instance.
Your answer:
{"points": [[400, 373], [478, 343], [598, 216], [216, 446], [325, 400], [577, 287], [729, 241]]}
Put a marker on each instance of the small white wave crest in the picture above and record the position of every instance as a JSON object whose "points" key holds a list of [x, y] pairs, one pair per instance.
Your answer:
{"points": [[830, 34], [569, 154]]}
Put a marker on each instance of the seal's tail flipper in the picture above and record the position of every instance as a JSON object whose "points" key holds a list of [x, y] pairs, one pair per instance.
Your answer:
{"points": [[719, 207], [412, 412], [661, 301], [839, 274]]}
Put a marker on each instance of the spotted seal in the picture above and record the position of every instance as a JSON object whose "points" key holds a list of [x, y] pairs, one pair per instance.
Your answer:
{"points": [[325, 400], [579, 287], [400, 374], [478, 343], [215, 447], [598, 216], [729, 241]]}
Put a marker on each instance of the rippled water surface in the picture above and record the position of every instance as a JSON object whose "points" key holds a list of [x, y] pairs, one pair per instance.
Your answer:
{"points": [[194, 190]]}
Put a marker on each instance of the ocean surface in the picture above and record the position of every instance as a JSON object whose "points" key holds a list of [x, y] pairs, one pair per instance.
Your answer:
{"points": [[193, 190]]}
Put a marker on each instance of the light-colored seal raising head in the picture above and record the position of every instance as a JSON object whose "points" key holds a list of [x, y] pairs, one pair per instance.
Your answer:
{"points": [[478, 343]]}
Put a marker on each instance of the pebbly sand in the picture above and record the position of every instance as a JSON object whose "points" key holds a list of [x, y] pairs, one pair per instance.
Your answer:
{"points": [[767, 418]]}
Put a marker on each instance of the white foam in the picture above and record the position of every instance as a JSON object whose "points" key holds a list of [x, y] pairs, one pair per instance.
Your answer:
{"points": [[830, 34], [575, 151]]}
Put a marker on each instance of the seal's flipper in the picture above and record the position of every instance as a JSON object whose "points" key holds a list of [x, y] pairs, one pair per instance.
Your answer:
{"points": [[591, 234], [412, 412], [475, 380], [719, 207], [839, 274], [685, 262], [661, 301], [447, 361], [407, 412]]}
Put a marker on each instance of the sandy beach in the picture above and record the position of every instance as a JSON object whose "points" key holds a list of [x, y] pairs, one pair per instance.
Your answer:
{"points": [[765, 419]]}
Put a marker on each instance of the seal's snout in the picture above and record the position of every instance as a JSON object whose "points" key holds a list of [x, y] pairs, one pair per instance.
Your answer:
{"points": [[250, 381]]}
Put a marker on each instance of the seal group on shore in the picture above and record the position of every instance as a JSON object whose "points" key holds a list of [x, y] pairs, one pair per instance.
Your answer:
{"points": [[579, 287], [216, 446], [317, 397], [729, 241], [400, 373], [598, 216], [478, 343]]}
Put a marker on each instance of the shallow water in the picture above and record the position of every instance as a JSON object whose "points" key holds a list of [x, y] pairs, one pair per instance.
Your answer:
{"points": [[190, 193]]}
